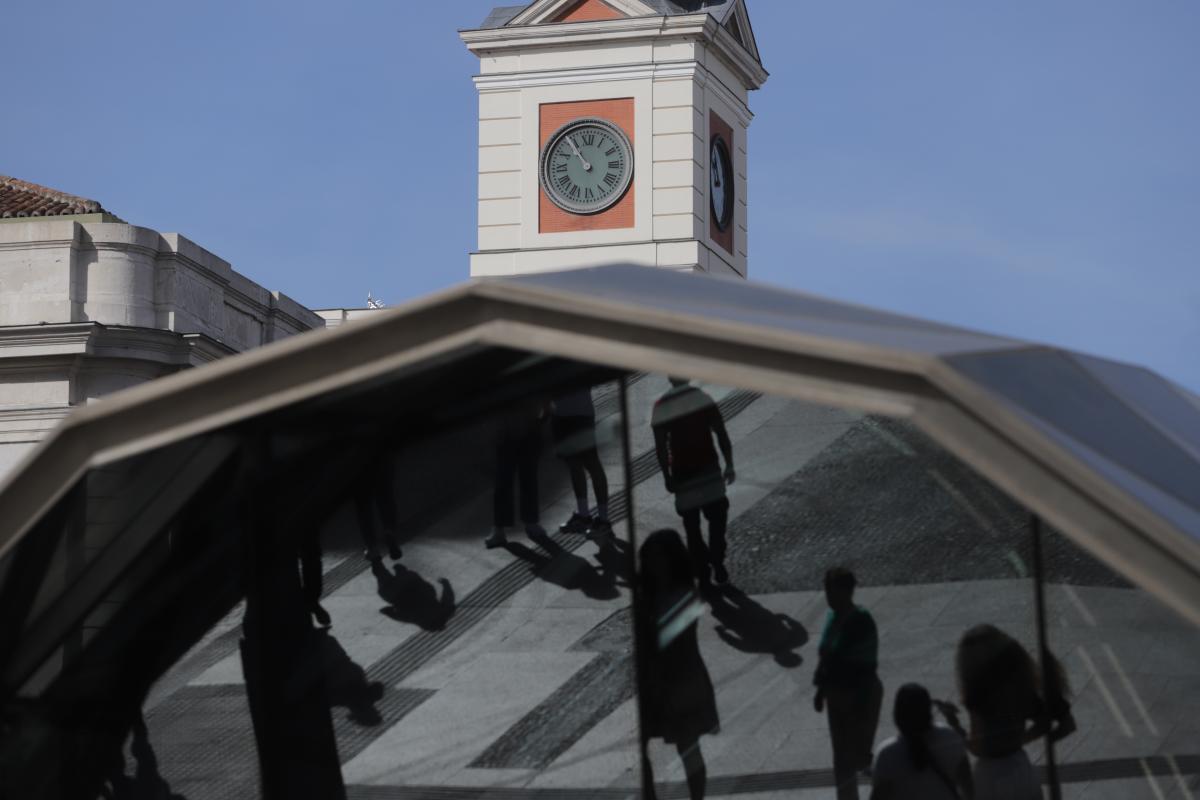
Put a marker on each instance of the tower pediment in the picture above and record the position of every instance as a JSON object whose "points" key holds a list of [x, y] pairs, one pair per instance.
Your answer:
{"points": [[731, 16], [548, 11]]}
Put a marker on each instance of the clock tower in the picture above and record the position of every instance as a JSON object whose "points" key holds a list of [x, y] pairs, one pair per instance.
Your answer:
{"points": [[614, 131]]}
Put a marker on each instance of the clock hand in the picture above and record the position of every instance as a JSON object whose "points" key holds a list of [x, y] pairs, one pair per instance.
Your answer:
{"points": [[586, 166]]}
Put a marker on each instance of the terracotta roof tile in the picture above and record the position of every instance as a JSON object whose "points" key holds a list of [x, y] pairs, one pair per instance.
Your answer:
{"points": [[20, 198]]}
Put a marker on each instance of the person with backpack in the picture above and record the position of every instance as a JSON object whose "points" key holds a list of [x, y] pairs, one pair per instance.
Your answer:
{"points": [[685, 420]]}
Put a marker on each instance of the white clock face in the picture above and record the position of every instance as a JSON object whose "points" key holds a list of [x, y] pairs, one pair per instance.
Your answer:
{"points": [[587, 165], [720, 189]]}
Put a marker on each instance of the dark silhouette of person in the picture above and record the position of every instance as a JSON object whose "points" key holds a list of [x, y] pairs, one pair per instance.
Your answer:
{"points": [[684, 420], [518, 448], [573, 426], [678, 704], [847, 681], [410, 598], [925, 761], [375, 502], [746, 625], [311, 578], [1009, 707]]}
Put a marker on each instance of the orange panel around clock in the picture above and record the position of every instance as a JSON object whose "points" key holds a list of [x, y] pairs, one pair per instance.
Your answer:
{"points": [[586, 10], [551, 218]]}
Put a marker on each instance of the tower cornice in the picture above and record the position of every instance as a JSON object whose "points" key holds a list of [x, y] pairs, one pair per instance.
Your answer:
{"points": [[694, 27]]}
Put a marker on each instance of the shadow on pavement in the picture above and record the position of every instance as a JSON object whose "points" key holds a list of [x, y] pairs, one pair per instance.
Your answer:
{"points": [[749, 627], [346, 682], [146, 783], [413, 599], [567, 570]]}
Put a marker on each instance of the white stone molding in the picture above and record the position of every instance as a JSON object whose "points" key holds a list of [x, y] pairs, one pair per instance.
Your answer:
{"points": [[545, 10], [577, 35]]}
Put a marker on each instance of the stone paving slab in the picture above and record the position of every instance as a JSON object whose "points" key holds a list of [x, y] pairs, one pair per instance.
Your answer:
{"points": [[452, 729]]}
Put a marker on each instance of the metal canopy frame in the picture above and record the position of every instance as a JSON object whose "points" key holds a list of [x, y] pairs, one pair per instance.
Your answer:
{"points": [[725, 331]]}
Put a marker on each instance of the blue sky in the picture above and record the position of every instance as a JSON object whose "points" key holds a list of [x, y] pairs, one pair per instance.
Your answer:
{"points": [[1029, 168]]}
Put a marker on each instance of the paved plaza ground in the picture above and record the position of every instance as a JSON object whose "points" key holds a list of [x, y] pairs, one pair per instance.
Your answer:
{"points": [[466, 672]]}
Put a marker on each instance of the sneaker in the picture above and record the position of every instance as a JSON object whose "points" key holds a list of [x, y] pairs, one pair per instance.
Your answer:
{"points": [[394, 551], [720, 574], [497, 539], [371, 555], [578, 523], [600, 529]]}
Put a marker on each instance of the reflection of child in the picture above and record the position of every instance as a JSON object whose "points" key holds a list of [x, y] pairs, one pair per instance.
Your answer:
{"points": [[847, 681], [677, 698], [925, 760]]}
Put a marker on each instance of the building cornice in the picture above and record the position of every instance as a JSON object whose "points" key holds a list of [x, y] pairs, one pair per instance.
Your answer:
{"points": [[24, 347], [698, 27], [168, 256], [662, 70]]}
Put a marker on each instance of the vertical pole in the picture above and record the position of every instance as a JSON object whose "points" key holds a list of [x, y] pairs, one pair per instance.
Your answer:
{"points": [[1039, 594], [293, 729], [638, 613]]}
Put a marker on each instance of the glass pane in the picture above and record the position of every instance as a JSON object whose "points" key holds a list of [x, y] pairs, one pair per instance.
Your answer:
{"points": [[1051, 387], [1155, 398], [1132, 671], [730, 704], [447, 662], [129, 603], [395, 582], [494, 653]]}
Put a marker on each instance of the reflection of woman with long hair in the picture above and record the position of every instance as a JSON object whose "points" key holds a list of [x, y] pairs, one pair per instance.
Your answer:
{"points": [[1010, 707], [677, 698]]}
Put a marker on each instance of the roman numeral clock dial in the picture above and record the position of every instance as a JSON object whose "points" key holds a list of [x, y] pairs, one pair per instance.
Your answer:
{"points": [[586, 166]]}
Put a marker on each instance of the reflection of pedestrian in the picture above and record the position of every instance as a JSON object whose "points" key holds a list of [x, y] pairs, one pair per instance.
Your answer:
{"points": [[925, 761], [847, 681], [518, 445], [310, 575], [677, 698], [573, 423], [1009, 708], [685, 419], [375, 501]]}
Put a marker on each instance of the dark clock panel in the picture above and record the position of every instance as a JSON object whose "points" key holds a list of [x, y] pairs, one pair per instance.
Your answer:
{"points": [[722, 209]]}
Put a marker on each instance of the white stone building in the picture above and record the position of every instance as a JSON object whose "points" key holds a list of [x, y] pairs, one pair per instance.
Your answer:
{"points": [[90, 304]]}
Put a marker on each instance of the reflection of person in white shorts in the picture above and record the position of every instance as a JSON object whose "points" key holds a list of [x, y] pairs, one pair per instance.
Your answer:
{"points": [[573, 425], [685, 420]]}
